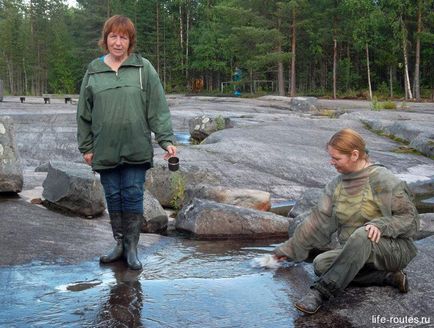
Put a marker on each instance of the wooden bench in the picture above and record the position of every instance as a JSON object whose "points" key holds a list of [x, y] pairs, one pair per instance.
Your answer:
{"points": [[47, 97]]}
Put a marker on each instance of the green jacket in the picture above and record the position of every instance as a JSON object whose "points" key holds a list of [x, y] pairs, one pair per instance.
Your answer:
{"points": [[385, 202], [116, 113]]}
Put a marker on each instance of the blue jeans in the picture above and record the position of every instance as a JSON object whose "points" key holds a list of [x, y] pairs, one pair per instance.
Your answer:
{"points": [[123, 188]]}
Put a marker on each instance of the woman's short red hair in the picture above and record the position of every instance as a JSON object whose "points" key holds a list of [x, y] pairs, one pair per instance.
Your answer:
{"points": [[347, 140], [118, 24]]}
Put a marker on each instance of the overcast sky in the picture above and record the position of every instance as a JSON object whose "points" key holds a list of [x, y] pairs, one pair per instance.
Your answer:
{"points": [[72, 3]]}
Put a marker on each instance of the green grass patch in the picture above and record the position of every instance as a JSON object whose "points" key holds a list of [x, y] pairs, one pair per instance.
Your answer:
{"points": [[378, 105], [177, 184]]}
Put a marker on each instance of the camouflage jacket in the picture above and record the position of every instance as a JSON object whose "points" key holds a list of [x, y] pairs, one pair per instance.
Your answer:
{"points": [[371, 196]]}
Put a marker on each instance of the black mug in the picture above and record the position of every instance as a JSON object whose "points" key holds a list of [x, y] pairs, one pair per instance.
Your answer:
{"points": [[173, 163]]}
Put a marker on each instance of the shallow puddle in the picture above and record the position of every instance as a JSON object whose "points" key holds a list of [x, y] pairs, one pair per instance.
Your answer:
{"points": [[185, 283]]}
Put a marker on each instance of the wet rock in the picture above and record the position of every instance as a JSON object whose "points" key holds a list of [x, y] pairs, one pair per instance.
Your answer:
{"points": [[11, 172], [169, 187], [202, 126], [73, 187], [208, 219], [308, 200], [426, 226], [256, 199], [155, 218]]}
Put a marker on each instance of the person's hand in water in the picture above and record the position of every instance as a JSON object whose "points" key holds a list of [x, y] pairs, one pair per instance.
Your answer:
{"points": [[280, 258]]}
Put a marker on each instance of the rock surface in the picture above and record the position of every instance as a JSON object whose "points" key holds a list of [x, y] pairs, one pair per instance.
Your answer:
{"points": [[155, 218], [73, 187], [426, 226], [303, 104], [279, 152], [208, 219], [308, 200], [270, 148], [11, 172], [203, 126], [169, 187], [256, 199], [417, 131], [420, 180]]}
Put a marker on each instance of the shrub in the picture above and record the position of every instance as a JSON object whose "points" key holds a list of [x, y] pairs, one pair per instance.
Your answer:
{"points": [[220, 122], [388, 105], [375, 104]]}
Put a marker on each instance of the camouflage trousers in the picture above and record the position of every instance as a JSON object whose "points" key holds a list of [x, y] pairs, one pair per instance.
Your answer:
{"points": [[361, 261]]}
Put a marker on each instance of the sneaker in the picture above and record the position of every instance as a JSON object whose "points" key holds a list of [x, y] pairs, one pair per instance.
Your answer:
{"points": [[311, 302], [397, 279]]}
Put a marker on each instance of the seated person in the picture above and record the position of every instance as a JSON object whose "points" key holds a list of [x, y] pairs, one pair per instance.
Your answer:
{"points": [[375, 219]]}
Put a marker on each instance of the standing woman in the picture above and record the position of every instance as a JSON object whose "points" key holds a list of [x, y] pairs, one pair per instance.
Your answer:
{"points": [[371, 211], [121, 102]]}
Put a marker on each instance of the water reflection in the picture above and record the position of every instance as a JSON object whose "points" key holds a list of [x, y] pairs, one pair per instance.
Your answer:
{"points": [[125, 302], [185, 283]]}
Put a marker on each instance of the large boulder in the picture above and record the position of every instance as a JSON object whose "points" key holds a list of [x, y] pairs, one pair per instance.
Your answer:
{"points": [[249, 198], [11, 172], [155, 218], [202, 126], [74, 188], [303, 104], [169, 187], [208, 219]]}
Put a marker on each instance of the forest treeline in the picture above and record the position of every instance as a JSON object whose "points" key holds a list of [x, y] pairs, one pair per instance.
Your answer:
{"points": [[336, 48]]}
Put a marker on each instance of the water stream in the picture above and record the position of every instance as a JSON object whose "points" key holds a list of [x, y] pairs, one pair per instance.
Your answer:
{"points": [[185, 283]]}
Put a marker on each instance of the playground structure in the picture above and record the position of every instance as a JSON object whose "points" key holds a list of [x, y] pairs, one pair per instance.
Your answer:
{"points": [[250, 86]]}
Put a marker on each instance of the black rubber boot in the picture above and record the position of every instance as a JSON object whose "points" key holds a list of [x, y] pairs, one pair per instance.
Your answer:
{"points": [[117, 252], [132, 223], [397, 279], [311, 302]]}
